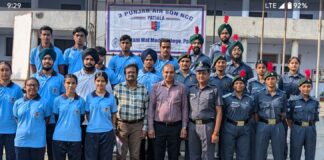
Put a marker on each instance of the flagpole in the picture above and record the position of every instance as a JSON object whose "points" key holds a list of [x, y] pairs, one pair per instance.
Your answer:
{"points": [[284, 40], [262, 30], [318, 49]]}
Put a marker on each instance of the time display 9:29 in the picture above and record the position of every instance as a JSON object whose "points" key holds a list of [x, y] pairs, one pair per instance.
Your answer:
{"points": [[14, 5]]}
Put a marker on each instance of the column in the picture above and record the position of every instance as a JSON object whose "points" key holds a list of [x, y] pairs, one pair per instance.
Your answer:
{"points": [[296, 11], [34, 4], [244, 42], [294, 48], [245, 8]]}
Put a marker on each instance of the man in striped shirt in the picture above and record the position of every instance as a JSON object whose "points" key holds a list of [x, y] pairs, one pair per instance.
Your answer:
{"points": [[132, 103]]}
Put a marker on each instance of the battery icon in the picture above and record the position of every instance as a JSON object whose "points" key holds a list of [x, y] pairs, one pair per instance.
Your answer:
{"points": [[289, 5]]}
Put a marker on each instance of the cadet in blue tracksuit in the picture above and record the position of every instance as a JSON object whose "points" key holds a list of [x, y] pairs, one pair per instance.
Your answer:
{"points": [[147, 77], [288, 82], [205, 115], [302, 116], [165, 56], [51, 86], [32, 114], [118, 62], [270, 112], [101, 66], [238, 109], [69, 109], [9, 93], [255, 85], [101, 111]]}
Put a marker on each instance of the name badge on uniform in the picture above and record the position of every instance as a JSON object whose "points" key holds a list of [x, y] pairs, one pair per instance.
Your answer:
{"points": [[235, 104], [298, 106], [12, 100], [106, 109], [54, 90], [36, 114], [77, 112]]}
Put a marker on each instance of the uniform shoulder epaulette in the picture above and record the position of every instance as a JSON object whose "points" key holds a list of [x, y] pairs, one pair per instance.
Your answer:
{"points": [[252, 79], [227, 95], [229, 76]]}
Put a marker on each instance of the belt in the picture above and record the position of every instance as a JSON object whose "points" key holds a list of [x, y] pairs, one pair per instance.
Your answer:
{"points": [[270, 121], [201, 121], [131, 121], [168, 123], [238, 123], [304, 123]]}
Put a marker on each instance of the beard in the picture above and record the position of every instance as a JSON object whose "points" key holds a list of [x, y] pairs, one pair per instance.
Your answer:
{"points": [[226, 40], [89, 68], [196, 50], [47, 68], [238, 59]]}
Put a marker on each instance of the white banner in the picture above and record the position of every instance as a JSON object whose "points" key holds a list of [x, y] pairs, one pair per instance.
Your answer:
{"points": [[147, 24]]}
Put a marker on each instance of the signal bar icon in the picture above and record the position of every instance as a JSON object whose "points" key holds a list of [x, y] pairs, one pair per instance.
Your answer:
{"points": [[289, 6]]}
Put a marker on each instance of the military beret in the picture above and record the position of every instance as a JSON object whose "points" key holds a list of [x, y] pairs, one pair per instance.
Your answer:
{"points": [[185, 55]]}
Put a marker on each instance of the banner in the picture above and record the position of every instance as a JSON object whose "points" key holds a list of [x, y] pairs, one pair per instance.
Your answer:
{"points": [[147, 24]]}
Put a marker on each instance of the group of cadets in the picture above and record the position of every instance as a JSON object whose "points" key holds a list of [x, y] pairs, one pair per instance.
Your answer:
{"points": [[157, 98]]}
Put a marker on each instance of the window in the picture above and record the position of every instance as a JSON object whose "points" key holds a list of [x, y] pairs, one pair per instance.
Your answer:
{"points": [[211, 12], [71, 6], [306, 16], [274, 59], [169, 1], [155, 1], [63, 43], [9, 45], [184, 1], [257, 14]]}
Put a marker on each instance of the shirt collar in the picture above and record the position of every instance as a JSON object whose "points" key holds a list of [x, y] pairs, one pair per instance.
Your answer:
{"points": [[122, 55], [10, 84], [145, 71], [35, 98], [267, 92], [42, 74], [125, 84], [76, 96], [180, 72], [175, 83], [41, 48], [298, 75], [74, 48], [170, 59], [94, 94], [243, 95]]}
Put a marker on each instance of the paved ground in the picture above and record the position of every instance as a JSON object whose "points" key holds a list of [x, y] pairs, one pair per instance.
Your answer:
{"points": [[319, 144]]}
